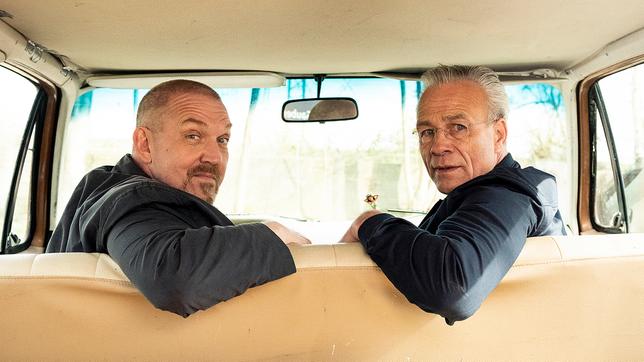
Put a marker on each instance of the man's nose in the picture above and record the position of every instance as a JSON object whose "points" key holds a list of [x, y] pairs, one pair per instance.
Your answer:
{"points": [[441, 143], [212, 153]]}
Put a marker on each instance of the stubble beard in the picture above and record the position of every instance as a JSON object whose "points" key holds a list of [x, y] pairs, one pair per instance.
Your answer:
{"points": [[208, 190]]}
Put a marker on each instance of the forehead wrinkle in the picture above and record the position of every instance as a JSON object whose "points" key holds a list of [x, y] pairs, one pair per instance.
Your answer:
{"points": [[203, 124], [446, 118], [454, 117], [193, 120]]}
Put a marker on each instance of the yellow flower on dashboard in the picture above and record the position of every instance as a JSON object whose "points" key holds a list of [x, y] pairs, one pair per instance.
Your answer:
{"points": [[371, 200]]}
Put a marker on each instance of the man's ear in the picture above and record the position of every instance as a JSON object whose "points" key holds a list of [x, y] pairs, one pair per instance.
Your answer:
{"points": [[141, 144], [500, 134]]}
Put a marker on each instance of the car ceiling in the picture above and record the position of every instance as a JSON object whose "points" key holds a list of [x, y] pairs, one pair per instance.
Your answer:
{"points": [[308, 37]]}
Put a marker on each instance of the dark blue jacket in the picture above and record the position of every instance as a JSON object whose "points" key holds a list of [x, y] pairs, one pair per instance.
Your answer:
{"points": [[181, 252], [468, 241]]}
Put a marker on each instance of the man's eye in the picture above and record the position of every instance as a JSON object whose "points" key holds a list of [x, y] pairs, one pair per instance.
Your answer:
{"points": [[193, 137], [223, 140], [457, 127], [430, 132]]}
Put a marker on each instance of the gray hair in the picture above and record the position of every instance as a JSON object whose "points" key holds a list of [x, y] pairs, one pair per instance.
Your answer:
{"points": [[485, 77]]}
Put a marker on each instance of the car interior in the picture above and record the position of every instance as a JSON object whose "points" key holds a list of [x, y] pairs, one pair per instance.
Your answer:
{"points": [[323, 97]]}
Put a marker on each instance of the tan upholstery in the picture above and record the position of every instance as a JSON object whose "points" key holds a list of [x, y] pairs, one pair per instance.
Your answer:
{"points": [[566, 298]]}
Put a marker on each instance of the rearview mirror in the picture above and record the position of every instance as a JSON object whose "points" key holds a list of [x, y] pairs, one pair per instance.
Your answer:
{"points": [[320, 110]]}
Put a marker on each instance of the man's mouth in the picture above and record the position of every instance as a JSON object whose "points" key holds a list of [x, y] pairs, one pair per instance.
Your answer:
{"points": [[205, 175], [445, 169]]}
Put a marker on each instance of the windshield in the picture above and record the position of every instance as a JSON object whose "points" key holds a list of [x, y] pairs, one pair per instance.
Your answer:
{"points": [[317, 171]]}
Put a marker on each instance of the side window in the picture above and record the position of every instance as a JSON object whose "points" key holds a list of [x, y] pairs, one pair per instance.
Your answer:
{"points": [[17, 98], [617, 111], [606, 206], [539, 134]]}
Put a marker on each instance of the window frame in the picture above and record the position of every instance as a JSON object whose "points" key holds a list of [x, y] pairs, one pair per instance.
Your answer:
{"points": [[28, 133], [597, 105], [586, 136], [41, 126]]}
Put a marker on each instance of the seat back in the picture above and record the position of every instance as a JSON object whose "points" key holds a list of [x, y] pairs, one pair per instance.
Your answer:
{"points": [[573, 298]]}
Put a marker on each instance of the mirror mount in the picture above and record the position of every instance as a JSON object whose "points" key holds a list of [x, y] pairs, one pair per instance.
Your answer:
{"points": [[319, 78]]}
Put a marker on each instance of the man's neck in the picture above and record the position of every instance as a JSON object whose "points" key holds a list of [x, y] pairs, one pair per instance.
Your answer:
{"points": [[501, 155], [142, 165]]}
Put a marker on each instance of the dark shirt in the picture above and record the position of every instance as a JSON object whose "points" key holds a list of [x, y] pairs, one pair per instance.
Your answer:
{"points": [[468, 241], [181, 252]]}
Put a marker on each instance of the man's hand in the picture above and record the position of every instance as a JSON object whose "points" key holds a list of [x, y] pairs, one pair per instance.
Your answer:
{"points": [[287, 235], [351, 236]]}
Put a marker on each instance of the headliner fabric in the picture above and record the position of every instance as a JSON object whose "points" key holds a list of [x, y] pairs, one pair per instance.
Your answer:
{"points": [[335, 36]]}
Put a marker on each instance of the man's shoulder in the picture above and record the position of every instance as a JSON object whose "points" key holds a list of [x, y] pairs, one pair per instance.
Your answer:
{"points": [[531, 182], [541, 187], [105, 176], [145, 189], [104, 189], [139, 192], [122, 179], [541, 183], [530, 174], [507, 187]]}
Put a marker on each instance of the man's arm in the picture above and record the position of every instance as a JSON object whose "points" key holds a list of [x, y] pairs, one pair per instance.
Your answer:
{"points": [[149, 231], [184, 270], [452, 271]]}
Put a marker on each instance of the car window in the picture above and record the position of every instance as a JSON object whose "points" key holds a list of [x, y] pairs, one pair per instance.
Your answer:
{"points": [[618, 102], [313, 171], [607, 211], [17, 96]]}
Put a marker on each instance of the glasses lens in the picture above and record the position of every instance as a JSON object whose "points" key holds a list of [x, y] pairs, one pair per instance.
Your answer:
{"points": [[458, 132]]}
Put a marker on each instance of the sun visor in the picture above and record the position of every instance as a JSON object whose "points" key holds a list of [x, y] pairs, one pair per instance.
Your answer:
{"points": [[213, 79]]}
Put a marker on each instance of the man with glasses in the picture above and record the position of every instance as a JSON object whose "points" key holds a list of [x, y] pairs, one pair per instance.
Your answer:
{"points": [[468, 241]]}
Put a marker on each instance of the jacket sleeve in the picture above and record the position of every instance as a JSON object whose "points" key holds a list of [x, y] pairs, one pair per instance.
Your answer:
{"points": [[451, 272], [183, 269]]}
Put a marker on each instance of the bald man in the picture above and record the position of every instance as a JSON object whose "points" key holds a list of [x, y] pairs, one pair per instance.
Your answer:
{"points": [[152, 212]]}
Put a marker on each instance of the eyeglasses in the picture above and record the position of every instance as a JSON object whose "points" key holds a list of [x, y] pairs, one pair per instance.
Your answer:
{"points": [[453, 131]]}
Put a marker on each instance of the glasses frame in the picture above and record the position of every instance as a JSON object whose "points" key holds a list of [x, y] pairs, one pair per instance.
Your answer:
{"points": [[446, 131]]}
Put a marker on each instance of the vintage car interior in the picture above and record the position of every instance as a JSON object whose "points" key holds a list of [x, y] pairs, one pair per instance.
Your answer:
{"points": [[73, 71]]}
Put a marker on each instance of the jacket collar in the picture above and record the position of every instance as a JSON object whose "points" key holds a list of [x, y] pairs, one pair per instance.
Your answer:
{"points": [[507, 161], [126, 165]]}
